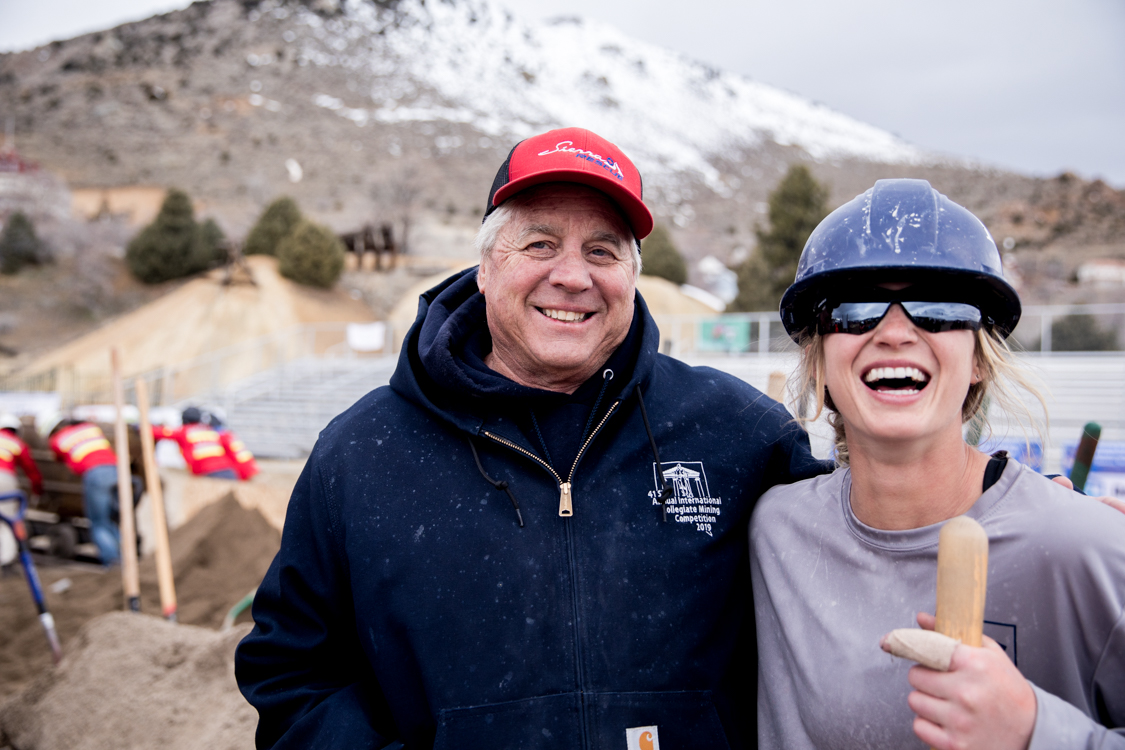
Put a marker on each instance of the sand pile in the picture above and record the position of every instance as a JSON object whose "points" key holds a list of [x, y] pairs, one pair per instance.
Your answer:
{"points": [[217, 557], [116, 664], [185, 494], [202, 316], [136, 681]]}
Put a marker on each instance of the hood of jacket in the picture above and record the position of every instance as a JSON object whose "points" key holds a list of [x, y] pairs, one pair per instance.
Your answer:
{"points": [[441, 367]]}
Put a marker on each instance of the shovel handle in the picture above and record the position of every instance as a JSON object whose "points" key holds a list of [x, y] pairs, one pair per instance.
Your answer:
{"points": [[962, 580]]}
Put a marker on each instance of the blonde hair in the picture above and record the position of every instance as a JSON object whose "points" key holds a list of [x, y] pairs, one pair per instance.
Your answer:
{"points": [[1000, 376]]}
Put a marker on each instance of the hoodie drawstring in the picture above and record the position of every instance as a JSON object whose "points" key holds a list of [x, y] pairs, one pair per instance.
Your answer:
{"points": [[607, 375], [665, 488], [542, 442], [501, 485]]}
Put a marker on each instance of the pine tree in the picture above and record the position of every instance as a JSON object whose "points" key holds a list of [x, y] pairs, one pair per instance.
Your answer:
{"points": [[213, 242], [173, 245], [755, 293], [661, 258], [1081, 333], [797, 205], [311, 254], [275, 223], [19, 245]]}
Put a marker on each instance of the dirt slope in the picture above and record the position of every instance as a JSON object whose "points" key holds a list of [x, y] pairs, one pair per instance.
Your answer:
{"points": [[217, 558], [200, 317], [136, 681]]}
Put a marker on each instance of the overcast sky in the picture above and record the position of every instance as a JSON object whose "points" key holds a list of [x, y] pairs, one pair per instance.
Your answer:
{"points": [[1033, 85]]}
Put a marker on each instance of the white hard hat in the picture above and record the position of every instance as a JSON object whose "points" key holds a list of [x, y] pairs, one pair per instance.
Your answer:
{"points": [[9, 421], [46, 422]]}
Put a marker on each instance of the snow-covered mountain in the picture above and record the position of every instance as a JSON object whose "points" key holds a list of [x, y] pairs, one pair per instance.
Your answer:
{"points": [[401, 111], [470, 61], [374, 110]]}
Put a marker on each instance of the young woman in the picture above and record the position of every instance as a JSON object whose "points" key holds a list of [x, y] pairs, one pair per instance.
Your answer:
{"points": [[902, 311]]}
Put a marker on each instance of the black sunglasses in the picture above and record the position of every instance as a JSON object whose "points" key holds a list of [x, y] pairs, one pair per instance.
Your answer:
{"points": [[861, 317]]}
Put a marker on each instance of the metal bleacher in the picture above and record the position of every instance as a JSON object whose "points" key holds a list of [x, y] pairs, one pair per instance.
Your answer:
{"points": [[281, 391], [278, 413], [1078, 387]]}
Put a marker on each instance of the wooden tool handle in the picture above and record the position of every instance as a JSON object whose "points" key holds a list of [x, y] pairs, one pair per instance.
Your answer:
{"points": [[962, 580], [130, 576], [156, 497]]}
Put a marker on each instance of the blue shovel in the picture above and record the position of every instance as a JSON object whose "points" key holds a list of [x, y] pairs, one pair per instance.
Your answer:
{"points": [[20, 531]]}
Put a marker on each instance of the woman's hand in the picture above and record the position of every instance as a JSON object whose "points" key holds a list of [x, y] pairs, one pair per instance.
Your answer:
{"points": [[1064, 481], [1112, 502], [982, 702]]}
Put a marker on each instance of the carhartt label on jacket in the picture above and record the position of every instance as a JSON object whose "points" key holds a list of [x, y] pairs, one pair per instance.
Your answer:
{"points": [[642, 738]]}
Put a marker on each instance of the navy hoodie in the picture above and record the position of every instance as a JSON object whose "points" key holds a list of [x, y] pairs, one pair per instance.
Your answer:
{"points": [[408, 604]]}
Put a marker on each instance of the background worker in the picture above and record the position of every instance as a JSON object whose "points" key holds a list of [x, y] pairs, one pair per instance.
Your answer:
{"points": [[13, 451], [83, 447], [200, 444], [244, 463]]}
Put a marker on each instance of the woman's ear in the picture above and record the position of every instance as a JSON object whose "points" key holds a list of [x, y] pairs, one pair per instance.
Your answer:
{"points": [[977, 368]]}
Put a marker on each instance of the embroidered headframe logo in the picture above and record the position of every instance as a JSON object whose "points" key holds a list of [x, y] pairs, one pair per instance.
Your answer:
{"points": [[606, 163], [691, 501]]}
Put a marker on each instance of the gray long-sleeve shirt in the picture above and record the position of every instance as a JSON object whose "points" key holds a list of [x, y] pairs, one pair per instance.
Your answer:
{"points": [[827, 587]]}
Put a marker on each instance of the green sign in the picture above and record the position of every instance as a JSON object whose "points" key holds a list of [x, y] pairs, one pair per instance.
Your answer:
{"points": [[724, 336]]}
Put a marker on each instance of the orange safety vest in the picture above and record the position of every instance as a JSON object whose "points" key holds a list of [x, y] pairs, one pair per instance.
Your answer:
{"points": [[244, 462], [12, 451], [201, 446], [82, 447]]}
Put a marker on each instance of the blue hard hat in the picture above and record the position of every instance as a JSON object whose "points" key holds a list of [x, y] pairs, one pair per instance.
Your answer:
{"points": [[900, 230]]}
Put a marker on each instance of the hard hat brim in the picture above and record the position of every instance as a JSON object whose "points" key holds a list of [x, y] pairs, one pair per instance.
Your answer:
{"points": [[997, 299]]}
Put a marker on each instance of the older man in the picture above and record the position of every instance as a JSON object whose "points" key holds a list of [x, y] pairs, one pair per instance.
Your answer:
{"points": [[535, 537]]}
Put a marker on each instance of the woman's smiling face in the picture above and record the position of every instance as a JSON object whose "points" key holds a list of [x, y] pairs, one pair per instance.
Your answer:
{"points": [[898, 382]]}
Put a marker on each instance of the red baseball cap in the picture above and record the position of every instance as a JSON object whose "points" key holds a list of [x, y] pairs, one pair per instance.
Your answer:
{"points": [[574, 155]]}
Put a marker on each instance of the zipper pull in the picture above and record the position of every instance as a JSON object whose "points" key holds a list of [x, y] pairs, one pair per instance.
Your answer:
{"points": [[565, 508]]}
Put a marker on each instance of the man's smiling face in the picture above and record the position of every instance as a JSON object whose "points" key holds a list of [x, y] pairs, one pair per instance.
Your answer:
{"points": [[559, 285]]}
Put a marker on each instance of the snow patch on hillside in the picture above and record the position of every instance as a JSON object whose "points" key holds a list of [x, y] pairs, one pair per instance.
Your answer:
{"points": [[468, 61]]}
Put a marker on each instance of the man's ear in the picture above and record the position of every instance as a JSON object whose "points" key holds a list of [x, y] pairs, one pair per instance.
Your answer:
{"points": [[481, 276]]}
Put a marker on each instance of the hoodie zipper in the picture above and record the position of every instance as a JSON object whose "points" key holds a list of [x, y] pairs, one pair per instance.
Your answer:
{"points": [[566, 509], [566, 498]]}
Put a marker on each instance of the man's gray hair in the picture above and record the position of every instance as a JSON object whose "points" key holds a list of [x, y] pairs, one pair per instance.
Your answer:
{"points": [[496, 221]]}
